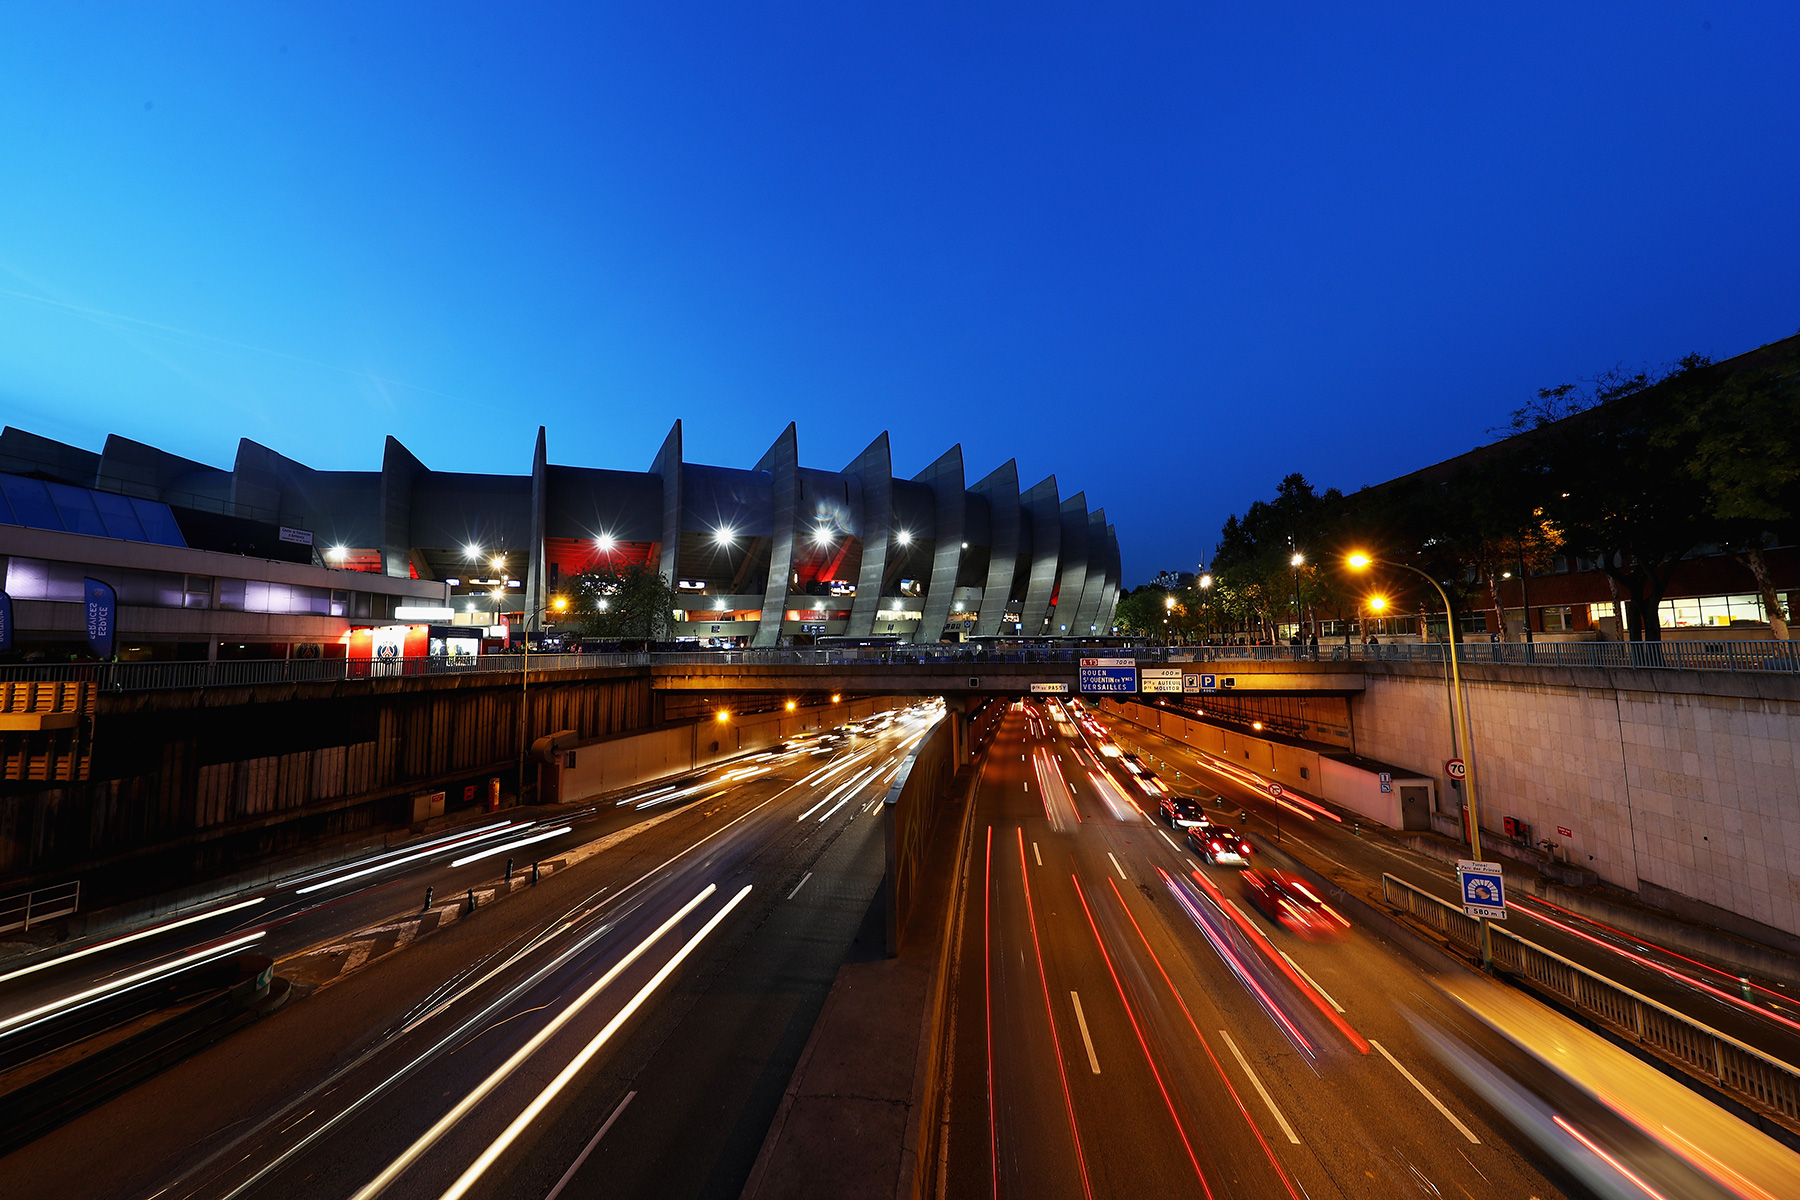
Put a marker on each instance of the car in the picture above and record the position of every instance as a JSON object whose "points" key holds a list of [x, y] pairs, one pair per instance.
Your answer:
{"points": [[1291, 903], [1133, 763], [1220, 845], [1151, 786], [1181, 812], [831, 741]]}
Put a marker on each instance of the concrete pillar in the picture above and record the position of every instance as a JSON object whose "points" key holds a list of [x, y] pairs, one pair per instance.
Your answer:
{"points": [[782, 461], [398, 470], [1001, 487], [945, 479], [537, 589]]}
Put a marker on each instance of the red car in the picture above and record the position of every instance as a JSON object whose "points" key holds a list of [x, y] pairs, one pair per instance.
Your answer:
{"points": [[1291, 903]]}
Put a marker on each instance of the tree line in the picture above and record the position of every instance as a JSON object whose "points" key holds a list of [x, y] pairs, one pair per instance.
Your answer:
{"points": [[1629, 471]]}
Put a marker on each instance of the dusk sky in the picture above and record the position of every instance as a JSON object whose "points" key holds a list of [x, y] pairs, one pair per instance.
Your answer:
{"points": [[1169, 254]]}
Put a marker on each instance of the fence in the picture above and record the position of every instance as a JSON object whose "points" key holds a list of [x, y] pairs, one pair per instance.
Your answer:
{"points": [[1737, 1069], [1673, 656], [34, 908]]}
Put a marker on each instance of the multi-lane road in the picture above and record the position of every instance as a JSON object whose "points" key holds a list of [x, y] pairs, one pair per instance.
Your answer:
{"points": [[633, 1019], [1120, 1032]]}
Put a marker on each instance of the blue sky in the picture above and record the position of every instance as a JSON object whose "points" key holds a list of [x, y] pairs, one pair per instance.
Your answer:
{"points": [[1168, 254]]}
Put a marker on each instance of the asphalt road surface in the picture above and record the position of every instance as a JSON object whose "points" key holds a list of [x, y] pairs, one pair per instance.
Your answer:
{"points": [[1120, 1032], [633, 1019]]}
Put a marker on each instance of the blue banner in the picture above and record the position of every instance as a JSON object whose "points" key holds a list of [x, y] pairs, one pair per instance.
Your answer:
{"points": [[5, 622], [102, 616]]}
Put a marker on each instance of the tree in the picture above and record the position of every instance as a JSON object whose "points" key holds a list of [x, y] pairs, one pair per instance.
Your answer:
{"points": [[1619, 493], [622, 602], [1741, 438], [1141, 611]]}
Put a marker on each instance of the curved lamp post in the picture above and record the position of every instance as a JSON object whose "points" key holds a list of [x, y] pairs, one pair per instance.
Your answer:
{"points": [[1460, 717]]}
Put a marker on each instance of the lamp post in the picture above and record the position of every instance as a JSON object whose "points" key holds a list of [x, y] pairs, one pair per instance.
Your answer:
{"points": [[559, 604], [1295, 562], [1206, 582], [1460, 718]]}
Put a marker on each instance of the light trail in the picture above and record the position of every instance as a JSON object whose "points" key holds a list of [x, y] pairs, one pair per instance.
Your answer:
{"points": [[414, 856], [1237, 966], [81, 999], [446, 1122], [112, 943], [490, 851], [494, 1151], [1168, 1101], [1050, 1013], [851, 786], [1608, 1159]]}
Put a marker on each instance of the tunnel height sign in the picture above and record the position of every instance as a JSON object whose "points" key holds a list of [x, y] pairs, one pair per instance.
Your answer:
{"points": [[1109, 675]]}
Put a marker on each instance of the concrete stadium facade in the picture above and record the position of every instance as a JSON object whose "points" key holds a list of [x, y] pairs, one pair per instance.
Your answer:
{"points": [[763, 556]]}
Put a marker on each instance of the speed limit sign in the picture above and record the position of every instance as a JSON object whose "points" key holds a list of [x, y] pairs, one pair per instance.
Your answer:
{"points": [[1456, 769]]}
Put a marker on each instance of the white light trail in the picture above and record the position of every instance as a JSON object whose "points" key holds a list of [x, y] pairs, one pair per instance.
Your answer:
{"points": [[76, 1000], [426, 852], [490, 851], [494, 1151], [130, 937], [430, 1137], [840, 790]]}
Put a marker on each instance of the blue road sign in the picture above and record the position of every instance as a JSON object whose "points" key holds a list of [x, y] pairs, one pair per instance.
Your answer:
{"points": [[1209, 683], [1387, 782], [1108, 675], [1483, 889]]}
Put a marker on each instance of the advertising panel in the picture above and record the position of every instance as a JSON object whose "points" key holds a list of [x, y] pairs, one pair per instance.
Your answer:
{"points": [[1108, 675], [1160, 679], [102, 616]]}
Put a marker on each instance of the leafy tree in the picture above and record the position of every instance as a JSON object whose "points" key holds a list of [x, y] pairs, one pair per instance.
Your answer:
{"points": [[1741, 438], [622, 602], [1141, 611]]}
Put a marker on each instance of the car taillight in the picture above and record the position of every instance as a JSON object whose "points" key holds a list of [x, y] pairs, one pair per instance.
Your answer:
{"points": [[1243, 847], [1217, 848]]}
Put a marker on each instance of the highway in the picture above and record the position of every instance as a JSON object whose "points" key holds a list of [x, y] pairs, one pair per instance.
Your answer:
{"points": [[1768, 1018], [633, 1018], [1118, 1032]]}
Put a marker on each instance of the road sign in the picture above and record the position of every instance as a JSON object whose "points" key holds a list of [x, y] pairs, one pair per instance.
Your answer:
{"points": [[1049, 689], [1456, 768], [1387, 782], [1564, 831], [1275, 790], [1160, 679], [1483, 889], [1190, 683], [1108, 675], [1209, 683]]}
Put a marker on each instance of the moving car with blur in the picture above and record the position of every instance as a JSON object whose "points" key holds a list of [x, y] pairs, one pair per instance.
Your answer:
{"points": [[1291, 903], [1220, 845], [1153, 787], [1180, 812]]}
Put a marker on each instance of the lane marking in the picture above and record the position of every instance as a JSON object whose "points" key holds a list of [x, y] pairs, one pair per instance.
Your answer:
{"points": [[800, 885], [1116, 866], [498, 1147], [1165, 837], [1260, 1089], [588, 1149], [1036, 855], [1309, 979], [445, 1123], [1435, 1102], [1086, 1039], [834, 808], [1037, 948]]}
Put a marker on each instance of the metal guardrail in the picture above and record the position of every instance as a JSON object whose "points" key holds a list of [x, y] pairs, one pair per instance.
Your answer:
{"points": [[1736, 1068], [1685, 656], [26, 909]]}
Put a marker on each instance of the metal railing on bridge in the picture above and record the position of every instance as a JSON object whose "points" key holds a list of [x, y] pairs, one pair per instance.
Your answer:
{"points": [[1674, 656], [1736, 1068]]}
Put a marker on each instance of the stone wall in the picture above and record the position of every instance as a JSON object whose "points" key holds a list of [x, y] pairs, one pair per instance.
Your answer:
{"points": [[1672, 783]]}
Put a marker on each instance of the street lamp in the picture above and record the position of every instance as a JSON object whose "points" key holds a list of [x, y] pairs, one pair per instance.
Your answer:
{"points": [[1295, 561], [1458, 715]]}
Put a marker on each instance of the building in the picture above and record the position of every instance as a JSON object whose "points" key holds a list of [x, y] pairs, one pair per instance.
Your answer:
{"points": [[272, 558]]}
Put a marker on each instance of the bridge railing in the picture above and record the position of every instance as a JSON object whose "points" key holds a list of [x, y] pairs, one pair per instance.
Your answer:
{"points": [[1673, 656], [1734, 1067]]}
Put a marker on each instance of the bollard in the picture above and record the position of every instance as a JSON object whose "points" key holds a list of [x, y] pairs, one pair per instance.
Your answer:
{"points": [[471, 899], [1744, 983], [509, 870], [1356, 828], [427, 907], [534, 875]]}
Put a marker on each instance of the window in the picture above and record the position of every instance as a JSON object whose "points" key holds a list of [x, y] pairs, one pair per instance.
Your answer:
{"points": [[1559, 620], [199, 592], [1717, 611]]}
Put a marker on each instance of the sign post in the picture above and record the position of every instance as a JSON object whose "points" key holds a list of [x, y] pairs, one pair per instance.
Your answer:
{"points": [[1108, 675]]}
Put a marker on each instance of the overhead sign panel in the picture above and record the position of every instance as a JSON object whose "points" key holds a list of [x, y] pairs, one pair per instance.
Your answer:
{"points": [[1109, 675], [1049, 689], [1160, 679]]}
